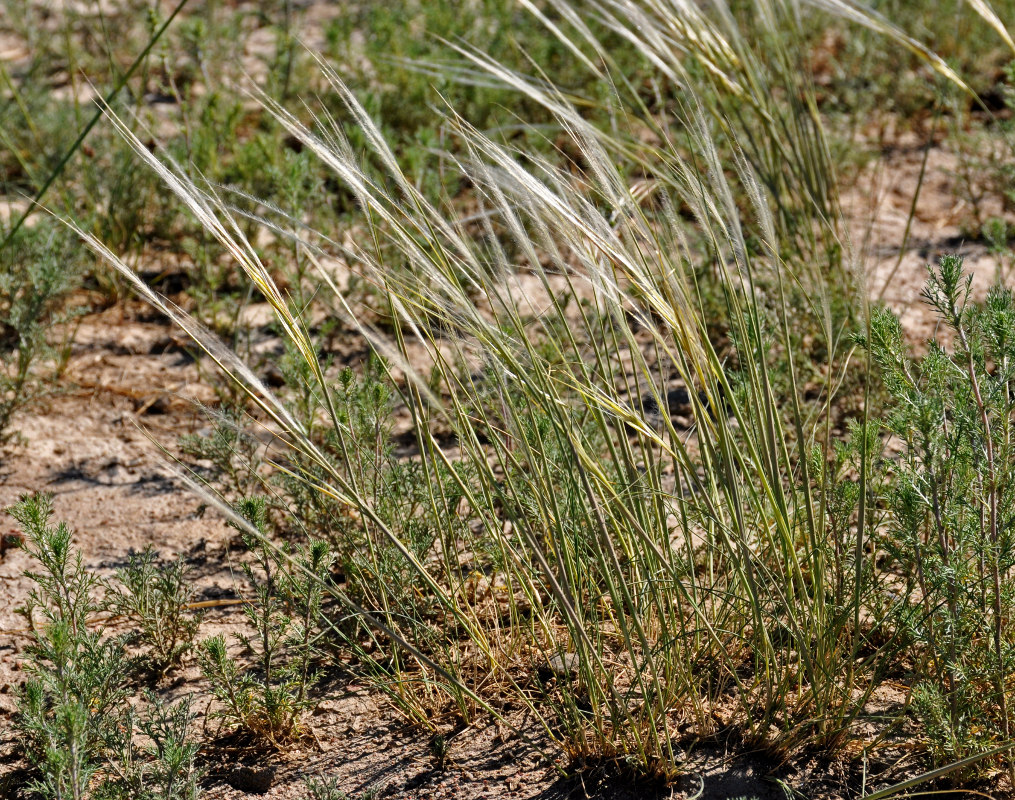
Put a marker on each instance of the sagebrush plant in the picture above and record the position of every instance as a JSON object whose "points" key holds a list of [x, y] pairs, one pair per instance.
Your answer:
{"points": [[154, 595], [270, 699], [951, 502], [692, 576], [152, 753], [233, 453], [81, 732], [38, 268], [77, 677]]}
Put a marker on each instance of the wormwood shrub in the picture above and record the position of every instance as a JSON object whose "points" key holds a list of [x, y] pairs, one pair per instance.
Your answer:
{"points": [[77, 677], [377, 573], [152, 753], [269, 701], [951, 506], [37, 268], [237, 461], [81, 734], [155, 596], [233, 454], [362, 449]]}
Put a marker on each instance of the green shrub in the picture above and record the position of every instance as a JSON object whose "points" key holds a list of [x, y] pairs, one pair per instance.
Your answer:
{"points": [[269, 701], [81, 733], [154, 596], [951, 504], [76, 676], [151, 754], [37, 270]]}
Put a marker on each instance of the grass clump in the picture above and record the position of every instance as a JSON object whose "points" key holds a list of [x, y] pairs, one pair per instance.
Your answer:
{"points": [[631, 580], [589, 526]]}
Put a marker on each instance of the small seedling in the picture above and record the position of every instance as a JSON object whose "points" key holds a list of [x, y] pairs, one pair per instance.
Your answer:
{"points": [[155, 596], [269, 703], [325, 789], [440, 749]]}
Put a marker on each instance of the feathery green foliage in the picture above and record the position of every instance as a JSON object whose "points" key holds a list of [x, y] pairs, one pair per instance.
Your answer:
{"points": [[37, 270], [269, 703], [154, 596], [152, 753], [950, 500], [80, 731]]}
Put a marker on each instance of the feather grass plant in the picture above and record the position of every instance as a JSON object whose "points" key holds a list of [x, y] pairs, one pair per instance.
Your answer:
{"points": [[691, 579]]}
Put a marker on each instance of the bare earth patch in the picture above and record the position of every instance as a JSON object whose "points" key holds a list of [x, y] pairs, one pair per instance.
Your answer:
{"points": [[877, 209]]}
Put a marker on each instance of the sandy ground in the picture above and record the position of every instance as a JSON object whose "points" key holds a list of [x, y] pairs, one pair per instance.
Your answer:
{"points": [[878, 207]]}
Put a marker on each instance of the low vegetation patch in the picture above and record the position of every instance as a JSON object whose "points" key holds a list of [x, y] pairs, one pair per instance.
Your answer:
{"points": [[626, 463]]}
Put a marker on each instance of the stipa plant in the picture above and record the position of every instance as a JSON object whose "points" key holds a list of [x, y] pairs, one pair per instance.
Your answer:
{"points": [[269, 700], [77, 678], [952, 504], [686, 576], [635, 552], [154, 596]]}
